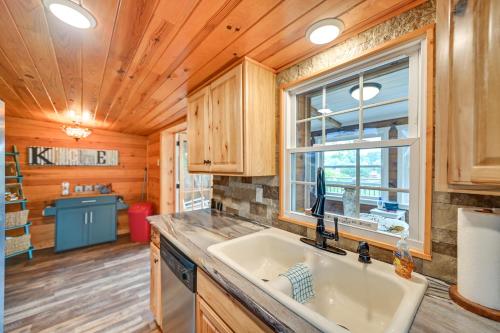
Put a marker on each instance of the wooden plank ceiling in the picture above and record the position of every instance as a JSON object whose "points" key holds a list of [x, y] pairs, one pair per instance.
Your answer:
{"points": [[134, 70]]}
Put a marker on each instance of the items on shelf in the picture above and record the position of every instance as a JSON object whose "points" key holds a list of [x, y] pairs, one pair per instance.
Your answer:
{"points": [[17, 225]]}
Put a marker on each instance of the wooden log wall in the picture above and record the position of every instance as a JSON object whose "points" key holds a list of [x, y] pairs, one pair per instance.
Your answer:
{"points": [[42, 184]]}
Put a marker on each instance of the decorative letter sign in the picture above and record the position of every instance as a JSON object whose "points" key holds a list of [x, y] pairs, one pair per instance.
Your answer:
{"points": [[72, 156]]}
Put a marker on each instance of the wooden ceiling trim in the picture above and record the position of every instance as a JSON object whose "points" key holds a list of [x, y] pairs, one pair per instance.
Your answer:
{"points": [[360, 18], [29, 17], [240, 19], [95, 50], [15, 50], [132, 21], [169, 18], [201, 23]]}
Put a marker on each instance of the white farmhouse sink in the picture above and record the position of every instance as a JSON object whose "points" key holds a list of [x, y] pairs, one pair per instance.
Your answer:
{"points": [[350, 296]]}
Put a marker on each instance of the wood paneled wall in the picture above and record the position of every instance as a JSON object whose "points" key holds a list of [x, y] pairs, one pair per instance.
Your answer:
{"points": [[43, 184]]}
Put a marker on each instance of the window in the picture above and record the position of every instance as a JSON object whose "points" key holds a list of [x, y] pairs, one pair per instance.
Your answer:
{"points": [[194, 191], [365, 125]]}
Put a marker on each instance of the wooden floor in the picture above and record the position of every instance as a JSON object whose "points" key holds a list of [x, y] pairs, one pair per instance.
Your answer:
{"points": [[103, 288]]}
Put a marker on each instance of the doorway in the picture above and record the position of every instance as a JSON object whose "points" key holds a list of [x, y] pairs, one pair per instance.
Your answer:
{"points": [[193, 191]]}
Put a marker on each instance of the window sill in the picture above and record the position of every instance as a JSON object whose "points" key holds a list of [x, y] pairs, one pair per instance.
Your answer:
{"points": [[376, 243]]}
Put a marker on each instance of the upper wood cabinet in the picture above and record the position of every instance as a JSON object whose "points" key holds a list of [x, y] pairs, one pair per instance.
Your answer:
{"points": [[232, 123], [198, 130], [467, 96]]}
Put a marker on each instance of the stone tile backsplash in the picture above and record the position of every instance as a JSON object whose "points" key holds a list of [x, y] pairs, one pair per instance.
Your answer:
{"points": [[238, 194]]}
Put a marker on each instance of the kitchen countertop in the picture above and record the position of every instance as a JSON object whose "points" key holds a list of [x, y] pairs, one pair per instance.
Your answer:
{"points": [[194, 232]]}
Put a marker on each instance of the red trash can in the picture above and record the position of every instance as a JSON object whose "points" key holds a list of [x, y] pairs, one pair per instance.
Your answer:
{"points": [[139, 226]]}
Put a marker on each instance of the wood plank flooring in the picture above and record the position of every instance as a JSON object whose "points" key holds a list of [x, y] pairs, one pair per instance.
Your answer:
{"points": [[104, 288]]}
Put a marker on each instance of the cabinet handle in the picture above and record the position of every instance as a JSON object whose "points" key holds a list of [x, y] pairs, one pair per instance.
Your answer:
{"points": [[91, 217], [86, 217], [88, 201]]}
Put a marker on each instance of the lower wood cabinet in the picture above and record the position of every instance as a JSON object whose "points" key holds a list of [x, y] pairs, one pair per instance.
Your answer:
{"points": [[155, 283], [217, 311], [207, 321]]}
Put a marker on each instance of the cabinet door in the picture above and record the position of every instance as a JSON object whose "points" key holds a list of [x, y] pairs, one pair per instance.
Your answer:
{"points": [[226, 118], [207, 321], [467, 83], [102, 223], [71, 228], [155, 284], [198, 131]]}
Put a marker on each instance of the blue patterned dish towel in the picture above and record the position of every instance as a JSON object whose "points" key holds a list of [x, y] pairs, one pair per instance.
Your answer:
{"points": [[300, 278]]}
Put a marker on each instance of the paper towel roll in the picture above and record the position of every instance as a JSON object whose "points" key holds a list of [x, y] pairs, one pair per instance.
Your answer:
{"points": [[478, 256]]}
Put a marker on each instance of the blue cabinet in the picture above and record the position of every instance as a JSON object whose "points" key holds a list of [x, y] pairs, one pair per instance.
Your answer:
{"points": [[71, 229], [85, 221], [100, 230]]}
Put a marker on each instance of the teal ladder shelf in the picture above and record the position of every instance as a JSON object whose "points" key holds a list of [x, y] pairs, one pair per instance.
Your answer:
{"points": [[18, 178]]}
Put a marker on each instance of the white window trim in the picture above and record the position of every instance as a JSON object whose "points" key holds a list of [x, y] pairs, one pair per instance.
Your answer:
{"points": [[417, 97]]}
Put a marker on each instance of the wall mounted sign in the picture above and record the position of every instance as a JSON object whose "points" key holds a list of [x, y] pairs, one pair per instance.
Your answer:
{"points": [[72, 156]]}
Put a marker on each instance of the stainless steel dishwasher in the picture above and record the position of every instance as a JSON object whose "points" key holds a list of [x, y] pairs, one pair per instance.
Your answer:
{"points": [[178, 287]]}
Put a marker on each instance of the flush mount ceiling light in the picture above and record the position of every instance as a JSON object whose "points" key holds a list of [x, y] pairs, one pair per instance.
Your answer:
{"points": [[324, 31], [370, 90], [71, 13]]}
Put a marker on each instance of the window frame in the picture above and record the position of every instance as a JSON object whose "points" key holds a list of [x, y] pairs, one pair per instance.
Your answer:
{"points": [[420, 146]]}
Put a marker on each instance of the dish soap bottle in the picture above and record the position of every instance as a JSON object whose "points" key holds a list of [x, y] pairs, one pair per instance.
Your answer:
{"points": [[403, 262]]}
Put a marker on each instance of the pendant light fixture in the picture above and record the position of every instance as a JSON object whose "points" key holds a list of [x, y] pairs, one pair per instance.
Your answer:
{"points": [[71, 13]]}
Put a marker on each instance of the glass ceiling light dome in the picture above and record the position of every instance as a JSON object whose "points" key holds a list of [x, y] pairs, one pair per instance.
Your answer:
{"points": [[324, 31], [370, 90], [71, 13]]}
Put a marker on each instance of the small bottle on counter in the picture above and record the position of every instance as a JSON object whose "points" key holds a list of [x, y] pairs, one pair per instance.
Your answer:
{"points": [[380, 203], [403, 261]]}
